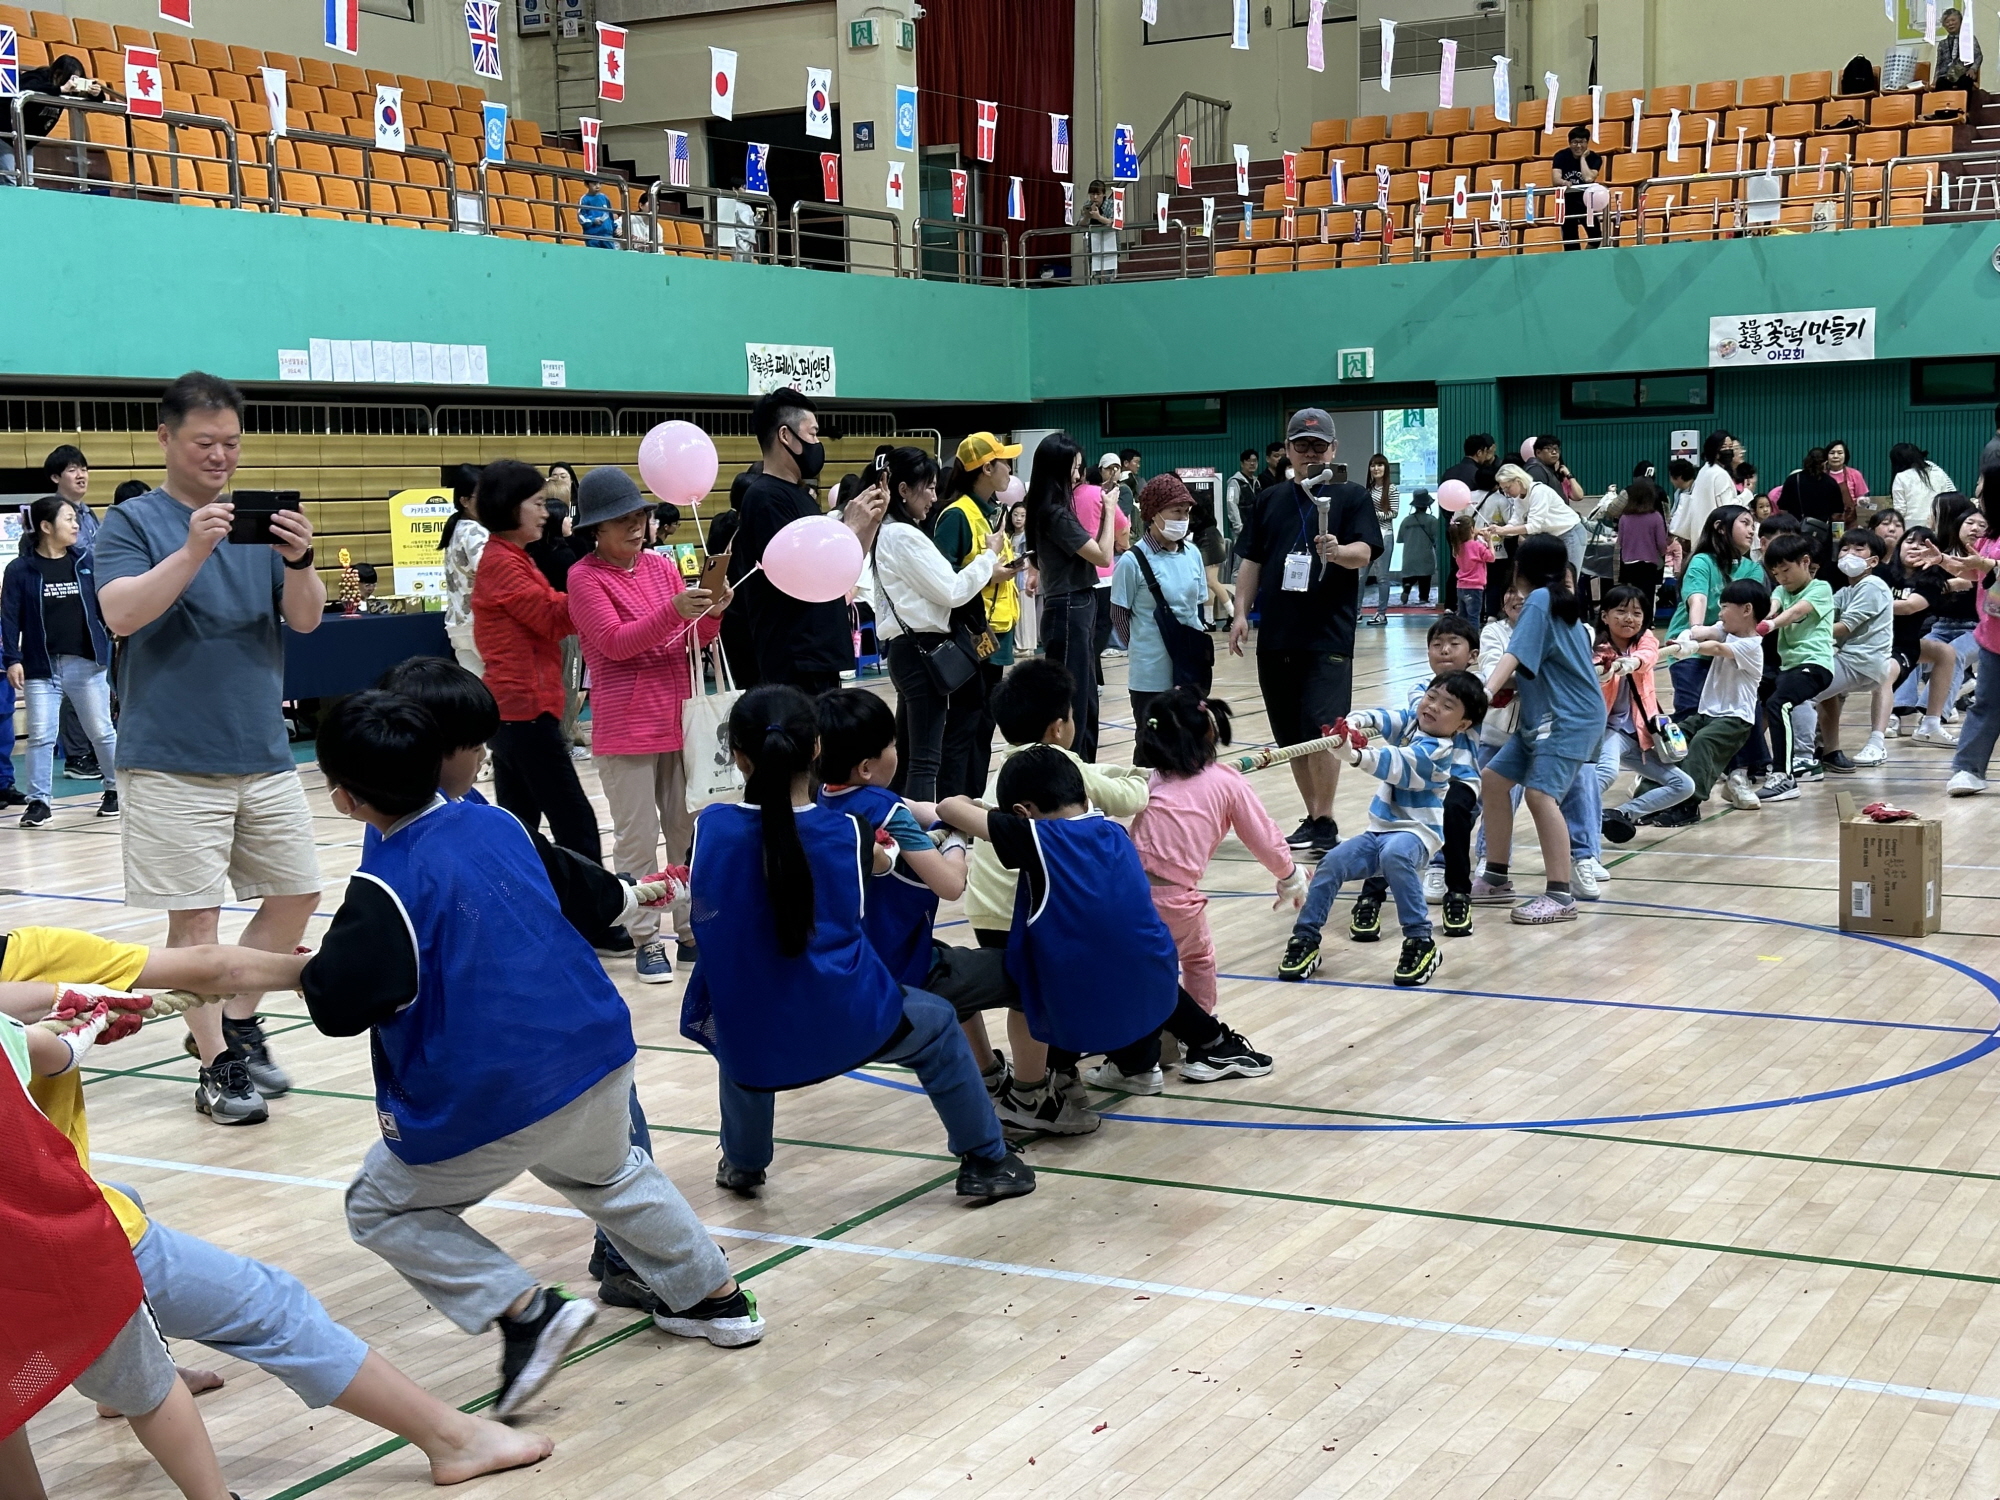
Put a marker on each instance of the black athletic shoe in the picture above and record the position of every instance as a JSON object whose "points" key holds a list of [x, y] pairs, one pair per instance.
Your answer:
{"points": [[1365, 925], [741, 1181], [12, 796], [83, 768], [625, 1289], [1838, 763], [1009, 1177], [1326, 837], [531, 1348], [1229, 1056], [1301, 837], [1301, 960], [107, 805], [1680, 815], [1617, 827], [226, 1095], [37, 814], [1420, 960], [245, 1041], [1457, 914], [727, 1322]]}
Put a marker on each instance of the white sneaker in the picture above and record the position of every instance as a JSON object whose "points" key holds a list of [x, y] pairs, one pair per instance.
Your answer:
{"points": [[1597, 869], [1433, 884], [1738, 793], [1874, 753], [1583, 881], [1107, 1076], [1964, 784], [1929, 733]]}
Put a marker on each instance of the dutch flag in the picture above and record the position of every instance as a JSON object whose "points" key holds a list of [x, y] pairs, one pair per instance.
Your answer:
{"points": [[343, 26], [1016, 208]]}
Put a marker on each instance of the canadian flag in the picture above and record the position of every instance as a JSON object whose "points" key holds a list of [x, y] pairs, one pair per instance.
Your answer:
{"points": [[1118, 208], [893, 189], [722, 83], [960, 188], [1184, 161], [143, 90], [989, 129], [589, 129], [829, 171], [179, 11], [611, 62]]}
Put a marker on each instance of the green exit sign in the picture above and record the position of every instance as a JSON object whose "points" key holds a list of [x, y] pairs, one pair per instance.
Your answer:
{"points": [[906, 35], [1357, 364], [861, 34]]}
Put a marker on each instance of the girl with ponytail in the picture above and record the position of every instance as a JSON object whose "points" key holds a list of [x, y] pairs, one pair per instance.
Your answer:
{"points": [[788, 991]]}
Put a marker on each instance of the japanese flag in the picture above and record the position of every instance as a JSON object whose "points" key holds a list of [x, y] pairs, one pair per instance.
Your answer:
{"points": [[1069, 202], [1242, 171], [277, 95], [145, 94], [893, 189], [961, 186], [1160, 211], [722, 83], [1458, 198], [181, 12], [591, 132], [611, 62], [389, 134]]}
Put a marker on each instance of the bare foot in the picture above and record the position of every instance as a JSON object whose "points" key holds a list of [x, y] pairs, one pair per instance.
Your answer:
{"points": [[197, 1382], [486, 1449]]}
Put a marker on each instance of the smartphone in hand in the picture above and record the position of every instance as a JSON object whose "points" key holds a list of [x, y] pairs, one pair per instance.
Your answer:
{"points": [[254, 510]]}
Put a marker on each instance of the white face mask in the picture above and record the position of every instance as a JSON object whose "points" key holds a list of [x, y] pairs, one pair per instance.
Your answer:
{"points": [[1173, 531], [1853, 564]]}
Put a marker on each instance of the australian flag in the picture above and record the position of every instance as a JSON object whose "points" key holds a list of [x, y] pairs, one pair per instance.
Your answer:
{"points": [[1124, 154], [677, 160], [482, 26], [10, 63], [1059, 145], [756, 167]]}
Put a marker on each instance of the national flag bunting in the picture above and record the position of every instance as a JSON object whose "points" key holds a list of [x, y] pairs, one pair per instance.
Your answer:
{"points": [[611, 63], [677, 158], [1291, 176], [145, 95], [1160, 211], [961, 187], [987, 140], [1124, 154], [493, 124], [389, 133], [722, 83], [277, 97], [180, 12], [819, 103], [1059, 145], [1242, 171], [591, 130], [482, 30], [1069, 202], [829, 171], [1017, 204], [1118, 208], [1184, 161], [343, 26], [10, 62], [892, 189], [757, 167]]}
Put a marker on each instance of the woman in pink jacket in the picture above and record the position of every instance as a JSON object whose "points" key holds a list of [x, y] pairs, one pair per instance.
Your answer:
{"points": [[635, 620]]}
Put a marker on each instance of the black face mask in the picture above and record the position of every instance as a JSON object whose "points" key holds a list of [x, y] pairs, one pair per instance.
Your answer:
{"points": [[812, 458]]}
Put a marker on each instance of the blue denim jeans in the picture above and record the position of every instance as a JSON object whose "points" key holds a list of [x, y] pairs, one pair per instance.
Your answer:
{"points": [[88, 688], [1672, 786], [7, 737], [1583, 804], [1982, 720], [933, 1048], [1398, 858]]}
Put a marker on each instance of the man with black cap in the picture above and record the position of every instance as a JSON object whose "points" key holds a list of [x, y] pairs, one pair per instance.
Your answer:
{"points": [[1302, 552]]}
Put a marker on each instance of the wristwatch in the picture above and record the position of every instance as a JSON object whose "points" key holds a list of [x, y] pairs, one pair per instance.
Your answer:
{"points": [[302, 564]]}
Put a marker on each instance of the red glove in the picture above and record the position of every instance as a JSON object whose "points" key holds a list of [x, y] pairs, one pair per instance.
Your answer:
{"points": [[1765, 627], [1886, 812], [1357, 739], [885, 838], [81, 1006]]}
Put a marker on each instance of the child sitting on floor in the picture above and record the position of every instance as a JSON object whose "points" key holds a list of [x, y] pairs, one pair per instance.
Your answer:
{"points": [[1405, 823]]}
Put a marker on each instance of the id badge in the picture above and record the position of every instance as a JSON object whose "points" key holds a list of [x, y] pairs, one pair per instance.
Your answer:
{"points": [[1298, 572]]}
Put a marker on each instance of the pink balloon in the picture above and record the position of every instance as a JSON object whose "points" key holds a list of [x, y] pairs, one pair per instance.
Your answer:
{"points": [[1454, 494], [677, 460], [814, 559], [1014, 492], [1527, 450]]}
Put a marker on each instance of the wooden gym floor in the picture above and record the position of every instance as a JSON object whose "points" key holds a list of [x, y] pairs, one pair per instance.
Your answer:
{"points": [[1692, 1197]]}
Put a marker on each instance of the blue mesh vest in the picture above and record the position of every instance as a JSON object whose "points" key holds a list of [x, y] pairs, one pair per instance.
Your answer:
{"points": [[775, 1022], [1096, 965], [514, 1015], [901, 909]]}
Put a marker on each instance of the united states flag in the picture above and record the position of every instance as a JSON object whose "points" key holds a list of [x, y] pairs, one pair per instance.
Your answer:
{"points": [[10, 63], [482, 26], [677, 162], [1059, 145]]}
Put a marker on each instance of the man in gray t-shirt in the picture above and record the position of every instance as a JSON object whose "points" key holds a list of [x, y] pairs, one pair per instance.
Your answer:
{"points": [[210, 794]]}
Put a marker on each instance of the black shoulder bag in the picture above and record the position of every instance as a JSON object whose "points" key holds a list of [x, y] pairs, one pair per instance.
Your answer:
{"points": [[951, 665], [1191, 651]]}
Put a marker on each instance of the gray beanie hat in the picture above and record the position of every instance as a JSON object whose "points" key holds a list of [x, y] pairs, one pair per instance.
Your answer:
{"points": [[605, 495]]}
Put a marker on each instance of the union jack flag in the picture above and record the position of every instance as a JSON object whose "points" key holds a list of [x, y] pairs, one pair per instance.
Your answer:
{"points": [[482, 26], [1059, 145], [677, 161], [10, 63]]}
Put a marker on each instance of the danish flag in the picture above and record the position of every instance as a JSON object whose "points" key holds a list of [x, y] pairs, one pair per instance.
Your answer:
{"points": [[588, 129], [989, 129]]}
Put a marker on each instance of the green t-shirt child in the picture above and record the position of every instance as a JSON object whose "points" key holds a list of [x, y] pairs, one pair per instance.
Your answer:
{"points": [[1807, 642]]}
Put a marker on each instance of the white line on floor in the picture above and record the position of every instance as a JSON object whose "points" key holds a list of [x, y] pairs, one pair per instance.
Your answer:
{"points": [[1198, 1294]]}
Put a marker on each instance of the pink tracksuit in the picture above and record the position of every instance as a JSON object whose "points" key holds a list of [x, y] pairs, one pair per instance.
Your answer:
{"points": [[1184, 821]]}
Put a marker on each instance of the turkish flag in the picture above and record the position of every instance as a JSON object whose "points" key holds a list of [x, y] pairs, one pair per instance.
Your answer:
{"points": [[829, 171], [1184, 161], [1291, 176], [145, 94], [960, 185]]}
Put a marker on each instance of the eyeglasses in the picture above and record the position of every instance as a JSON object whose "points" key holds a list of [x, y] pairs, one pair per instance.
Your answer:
{"points": [[1309, 445]]}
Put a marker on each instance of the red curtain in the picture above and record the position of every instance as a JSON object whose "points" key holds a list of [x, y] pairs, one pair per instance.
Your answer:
{"points": [[1022, 55]]}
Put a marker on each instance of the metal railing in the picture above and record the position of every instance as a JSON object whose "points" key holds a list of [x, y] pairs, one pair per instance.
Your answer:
{"points": [[841, 217], [1937, 182], [1204, 120], [222, 184], [963, 241], [349, 176], [717, 237]]}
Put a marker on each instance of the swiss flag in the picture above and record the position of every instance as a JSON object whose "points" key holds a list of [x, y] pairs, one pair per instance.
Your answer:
{"points": [[144, 92], [960, 188], [829, 171], [1184, 161], [989, 129], [610, 62], [180, 11]]}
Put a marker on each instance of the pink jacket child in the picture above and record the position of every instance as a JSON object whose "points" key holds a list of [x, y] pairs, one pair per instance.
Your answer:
{"points": [[1192, 804]]}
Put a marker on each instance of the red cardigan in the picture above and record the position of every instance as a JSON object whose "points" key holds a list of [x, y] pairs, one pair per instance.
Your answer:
{"points": [[518, 622]]}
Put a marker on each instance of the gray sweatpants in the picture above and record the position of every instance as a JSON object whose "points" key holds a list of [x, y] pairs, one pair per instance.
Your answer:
{"points": [[413, 1216]]}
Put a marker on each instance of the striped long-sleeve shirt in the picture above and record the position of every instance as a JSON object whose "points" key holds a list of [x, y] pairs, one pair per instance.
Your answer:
{"points": [[1415, 770]]}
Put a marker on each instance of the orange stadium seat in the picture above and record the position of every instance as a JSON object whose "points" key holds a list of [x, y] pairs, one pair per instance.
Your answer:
{"points": [[1716, 96], [1410, 125]]}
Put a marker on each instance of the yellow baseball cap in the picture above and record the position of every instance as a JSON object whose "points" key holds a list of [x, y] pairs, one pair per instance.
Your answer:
{"points": [[979, 450]]}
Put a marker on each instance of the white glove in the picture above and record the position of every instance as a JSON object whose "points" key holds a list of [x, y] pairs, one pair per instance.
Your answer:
{"points": [[1292, 888], [1625, 666], [950, 839], [82, 1040]]}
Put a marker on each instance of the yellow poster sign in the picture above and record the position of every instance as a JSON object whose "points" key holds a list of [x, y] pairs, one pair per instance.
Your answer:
{"points": [[416, 525]]}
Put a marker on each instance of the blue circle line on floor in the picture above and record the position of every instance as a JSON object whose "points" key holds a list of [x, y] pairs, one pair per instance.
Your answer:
{"points": [[1989, 1042]]}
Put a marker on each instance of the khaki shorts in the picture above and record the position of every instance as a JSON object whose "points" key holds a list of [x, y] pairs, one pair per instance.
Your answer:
{"points": [[184, 835]]}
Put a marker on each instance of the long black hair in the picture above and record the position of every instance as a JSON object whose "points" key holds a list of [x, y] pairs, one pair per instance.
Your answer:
{"points": [[1542, 562], [44, 512], [1054, 460], [464, 485], [1617, 597], [916, 468], [1896, 571], [1718, 538], [1180, 732], [776, 730]]}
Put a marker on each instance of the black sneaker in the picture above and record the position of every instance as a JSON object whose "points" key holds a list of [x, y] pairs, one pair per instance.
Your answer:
{"points": [[1837, 763], [226, 1095], [1420, 960], [1230, 1056], [83, 768], [625, 1289], [107, 805], [1301, 960], [613, 941], [1009, 1177], [728, 1322], [999, 1077], [1617, 827], [36, 815], [1365, 925], [1301, 837], [1680, 815], [742, 1181], [531, 1348], [245, 1040], [1457, 914], [1326, 836], [11, 796], [1044, 1109], [1808, 770]]}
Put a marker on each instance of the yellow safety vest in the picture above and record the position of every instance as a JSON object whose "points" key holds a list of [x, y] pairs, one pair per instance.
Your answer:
{"points": [[1003, 599]]}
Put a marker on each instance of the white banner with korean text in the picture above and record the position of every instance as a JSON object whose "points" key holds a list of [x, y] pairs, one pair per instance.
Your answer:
{"points": [[806, 368], [1792, 338]]}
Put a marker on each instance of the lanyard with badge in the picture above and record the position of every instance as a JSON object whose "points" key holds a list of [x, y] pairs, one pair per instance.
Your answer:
{"points": [[1298, 562]]}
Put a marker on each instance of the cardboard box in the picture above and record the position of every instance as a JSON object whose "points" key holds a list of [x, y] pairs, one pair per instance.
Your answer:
{"points": [[1891, 874]]}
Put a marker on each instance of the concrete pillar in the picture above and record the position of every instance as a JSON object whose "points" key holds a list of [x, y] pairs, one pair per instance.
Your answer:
{"points": [[865, 80]]}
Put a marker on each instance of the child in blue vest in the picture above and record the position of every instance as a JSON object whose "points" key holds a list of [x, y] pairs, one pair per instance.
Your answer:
{"points": [[1415, 762], [857, 763], [1097, 967], [788, 990], [500, 1046]]}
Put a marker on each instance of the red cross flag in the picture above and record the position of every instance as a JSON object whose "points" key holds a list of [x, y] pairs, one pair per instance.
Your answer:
{"points": [[143, 89], [829, 171], [960, 189], [893, 190], [989, 129], [610, 62], [1184, 161]]}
